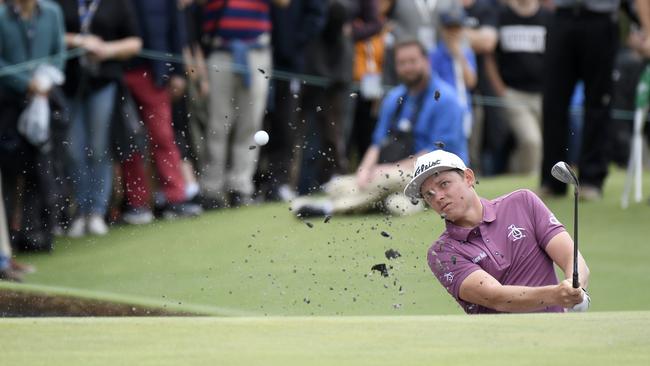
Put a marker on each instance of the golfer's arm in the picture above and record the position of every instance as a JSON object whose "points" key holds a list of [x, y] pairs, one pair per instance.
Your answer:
{"points": [[560, 249], [483, 289]]}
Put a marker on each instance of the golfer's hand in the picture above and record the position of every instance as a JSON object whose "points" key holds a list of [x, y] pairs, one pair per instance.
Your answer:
{"points": [[567, 296], [584, 305]]}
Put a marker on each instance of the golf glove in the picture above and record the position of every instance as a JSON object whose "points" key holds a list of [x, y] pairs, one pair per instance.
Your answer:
{"points": [[584, 305]]}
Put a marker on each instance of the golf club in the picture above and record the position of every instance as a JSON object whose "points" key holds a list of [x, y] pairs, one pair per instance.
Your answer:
{"points": [[563, 172]]}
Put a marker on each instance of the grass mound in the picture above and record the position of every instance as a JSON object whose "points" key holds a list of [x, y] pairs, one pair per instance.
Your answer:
{"points": [[263, 261]]}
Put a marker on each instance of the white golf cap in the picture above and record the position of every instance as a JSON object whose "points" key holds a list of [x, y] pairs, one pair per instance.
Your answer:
{"points": [[429, 164]]}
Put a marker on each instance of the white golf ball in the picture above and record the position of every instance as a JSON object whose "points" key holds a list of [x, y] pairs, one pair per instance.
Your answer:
{"points": [[261, 137]]}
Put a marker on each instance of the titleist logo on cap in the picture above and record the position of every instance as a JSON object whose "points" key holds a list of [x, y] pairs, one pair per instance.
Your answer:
{"points": [[424, 167]]}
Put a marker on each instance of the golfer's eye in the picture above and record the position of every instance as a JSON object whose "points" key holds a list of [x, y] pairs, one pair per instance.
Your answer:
{"points": [[429, 194], [444, 184]]}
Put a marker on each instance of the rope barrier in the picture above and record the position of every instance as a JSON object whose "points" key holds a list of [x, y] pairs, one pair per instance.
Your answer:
{"points": [[482, 100]]}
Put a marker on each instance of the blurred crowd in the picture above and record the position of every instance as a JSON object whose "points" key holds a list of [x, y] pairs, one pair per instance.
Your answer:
{"points": [[124, 111]]}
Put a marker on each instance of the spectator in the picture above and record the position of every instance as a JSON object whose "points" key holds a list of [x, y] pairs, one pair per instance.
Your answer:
{"points": [[368, 66], [489, 147], [190, 109], [516, 71], [6, 272], [454, 61], [10, 269], [331, 56], [412, 19], [237, 34], [413, 116], [293, 28], [579, 32], [91, 83], [29, 30], [152, 83]]}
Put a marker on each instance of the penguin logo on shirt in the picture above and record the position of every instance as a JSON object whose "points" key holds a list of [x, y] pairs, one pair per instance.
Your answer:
{"points": [[516, 232], [449, 276]]}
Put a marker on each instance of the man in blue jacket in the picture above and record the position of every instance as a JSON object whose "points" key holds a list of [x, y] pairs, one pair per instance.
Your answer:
{"points": [[414, 116]]}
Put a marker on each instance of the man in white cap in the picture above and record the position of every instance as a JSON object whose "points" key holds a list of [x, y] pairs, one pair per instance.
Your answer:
{"points": [[496, 255]]}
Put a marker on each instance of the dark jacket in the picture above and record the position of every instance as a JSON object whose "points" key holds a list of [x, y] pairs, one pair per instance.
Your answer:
{"points": [[163, 29], [114, 19], [293, 27]]}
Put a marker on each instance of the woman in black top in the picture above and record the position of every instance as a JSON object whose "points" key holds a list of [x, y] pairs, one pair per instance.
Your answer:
{"points": [[107, 33]]}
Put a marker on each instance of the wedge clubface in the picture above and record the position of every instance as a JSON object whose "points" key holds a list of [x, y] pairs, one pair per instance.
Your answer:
{"points": [[563, 172]]}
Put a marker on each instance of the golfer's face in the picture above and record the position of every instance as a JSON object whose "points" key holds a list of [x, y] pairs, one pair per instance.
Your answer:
{"points": [[448, 193]]}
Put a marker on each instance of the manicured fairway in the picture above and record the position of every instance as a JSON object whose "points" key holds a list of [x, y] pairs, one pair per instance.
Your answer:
{"points": [[607, 338], [260, 260]]}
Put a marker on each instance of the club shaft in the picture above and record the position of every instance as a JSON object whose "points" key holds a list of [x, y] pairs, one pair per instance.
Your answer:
{"points": [[576, 282]]}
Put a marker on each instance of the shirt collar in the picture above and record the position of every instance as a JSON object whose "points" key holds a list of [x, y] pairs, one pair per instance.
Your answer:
{"points": [[489, 210], [463, 233]]}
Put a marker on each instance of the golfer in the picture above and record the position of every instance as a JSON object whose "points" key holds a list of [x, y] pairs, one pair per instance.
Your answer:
{"points": [[496, 256]]}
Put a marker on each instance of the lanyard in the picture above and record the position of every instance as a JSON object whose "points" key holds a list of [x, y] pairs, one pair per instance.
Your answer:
{"points": [[425, 8], [87, 9], [413, 111]]}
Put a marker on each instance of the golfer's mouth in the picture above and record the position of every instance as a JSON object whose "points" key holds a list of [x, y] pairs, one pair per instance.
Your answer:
{"points": [[444, 207]]}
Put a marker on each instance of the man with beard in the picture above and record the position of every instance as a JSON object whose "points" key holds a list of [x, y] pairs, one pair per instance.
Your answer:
{"points": [[496, 256], [413, 117]]}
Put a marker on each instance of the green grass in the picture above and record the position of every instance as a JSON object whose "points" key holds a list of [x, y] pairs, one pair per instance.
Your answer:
{"points": [[262, 261], [590, 339]]}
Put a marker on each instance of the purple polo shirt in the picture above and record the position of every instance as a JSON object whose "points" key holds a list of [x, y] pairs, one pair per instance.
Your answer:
{"points": [[509, 244]]}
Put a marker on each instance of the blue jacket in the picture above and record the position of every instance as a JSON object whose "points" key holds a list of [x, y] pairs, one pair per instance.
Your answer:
{"points": [[163, 29], [442, 63], [438, 120]]}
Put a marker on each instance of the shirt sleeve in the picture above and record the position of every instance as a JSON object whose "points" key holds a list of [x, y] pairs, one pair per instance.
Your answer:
{"points": [[489, 17], [435, 58], [546, 224], [58, 45], [450, 267]]}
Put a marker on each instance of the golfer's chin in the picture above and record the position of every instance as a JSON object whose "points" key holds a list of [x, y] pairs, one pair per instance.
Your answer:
{"points": [[447, 214]]}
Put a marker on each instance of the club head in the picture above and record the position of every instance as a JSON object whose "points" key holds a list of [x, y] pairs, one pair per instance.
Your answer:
{"points": [[563, 172]]}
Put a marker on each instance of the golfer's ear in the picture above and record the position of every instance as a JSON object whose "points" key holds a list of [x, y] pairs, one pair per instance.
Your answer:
{"points": [[470, 178]]}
